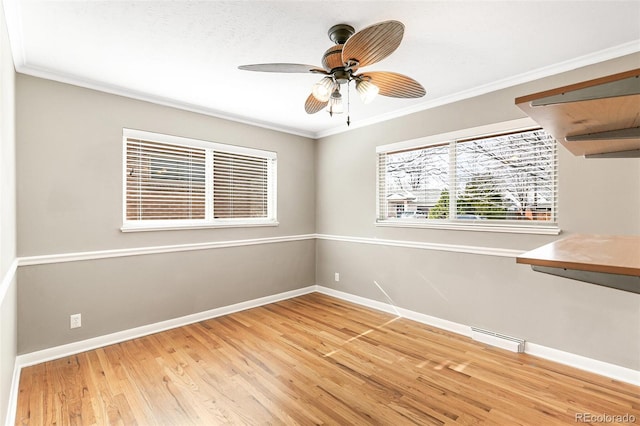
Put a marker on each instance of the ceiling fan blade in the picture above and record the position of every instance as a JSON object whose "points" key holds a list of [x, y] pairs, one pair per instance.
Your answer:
{"points": [[288, 68], [395, 85], [373, 43], [312, 105]]}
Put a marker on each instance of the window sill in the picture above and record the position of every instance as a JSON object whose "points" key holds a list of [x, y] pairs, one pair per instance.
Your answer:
{"points": [[481, 227], [174, 227]]}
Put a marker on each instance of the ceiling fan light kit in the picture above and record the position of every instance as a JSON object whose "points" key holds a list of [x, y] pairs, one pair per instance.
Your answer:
{"points": [[341, 62], [334, 106], [322, 90], [367, 91]]}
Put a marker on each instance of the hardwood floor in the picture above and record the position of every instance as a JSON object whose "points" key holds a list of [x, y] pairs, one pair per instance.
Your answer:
{"points": [[314, 360]]}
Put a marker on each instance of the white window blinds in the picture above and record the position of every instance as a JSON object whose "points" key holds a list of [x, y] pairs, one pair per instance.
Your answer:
{"points": [[164, 182], [172, 181], [499, 179], [240, 186], [507, 177]]}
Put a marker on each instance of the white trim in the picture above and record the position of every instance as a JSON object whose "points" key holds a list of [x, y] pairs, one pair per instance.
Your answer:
{"points": [[569, 65], [477, 226], [193, 142], [12, 408], [13, 18], [8, 279], [209, 149], [450, 139], [61, 351], [153, 99], [105, 254], [456, 248], [131, 226], [471, 132], [602, 368], [577, 361], [401, 312], [137, 251], [14, 26]]}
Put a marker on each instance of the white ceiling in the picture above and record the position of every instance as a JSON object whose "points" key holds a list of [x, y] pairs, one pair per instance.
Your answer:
{"points": [[186, 53]]}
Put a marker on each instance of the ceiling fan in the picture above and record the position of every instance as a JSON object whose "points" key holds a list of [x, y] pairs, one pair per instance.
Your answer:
{"points": [[342, 62]]}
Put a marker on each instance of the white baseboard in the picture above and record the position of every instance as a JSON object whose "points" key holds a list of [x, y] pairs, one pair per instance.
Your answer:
{"points": [[602, 368], [56, 352], [598, 367], [454, 327], [12, 407], [49, 354]]}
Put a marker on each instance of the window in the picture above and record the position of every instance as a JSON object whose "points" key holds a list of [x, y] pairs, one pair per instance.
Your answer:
{"points": [[503, 182], [173, 182]]}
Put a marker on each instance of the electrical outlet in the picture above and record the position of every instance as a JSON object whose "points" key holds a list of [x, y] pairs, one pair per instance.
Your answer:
{"points": [[337, 276], [75, 321]]}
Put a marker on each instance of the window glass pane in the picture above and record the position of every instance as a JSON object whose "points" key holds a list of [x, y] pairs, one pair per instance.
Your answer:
{"points": [[164, 182], [413, 182], [508, 177], [178, 182], [240, 186]]}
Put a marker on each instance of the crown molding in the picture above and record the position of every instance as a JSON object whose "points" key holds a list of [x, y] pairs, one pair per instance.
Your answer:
{"points": [[74, 80], [14, 27], [571, 64]]}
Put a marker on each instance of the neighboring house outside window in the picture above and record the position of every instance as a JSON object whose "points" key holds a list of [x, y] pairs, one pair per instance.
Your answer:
{"points": [[502, 182], [174, 182]]}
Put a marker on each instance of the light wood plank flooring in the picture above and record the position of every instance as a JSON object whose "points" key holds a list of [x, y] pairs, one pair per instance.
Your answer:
{"points": [[314, 360]]}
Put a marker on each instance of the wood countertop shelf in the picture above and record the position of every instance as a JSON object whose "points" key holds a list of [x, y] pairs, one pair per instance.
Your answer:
{"points": [[595, 118], [612, 261]]}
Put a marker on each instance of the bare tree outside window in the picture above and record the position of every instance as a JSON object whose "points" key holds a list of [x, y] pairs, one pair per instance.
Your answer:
{"points": [[509, 177]]}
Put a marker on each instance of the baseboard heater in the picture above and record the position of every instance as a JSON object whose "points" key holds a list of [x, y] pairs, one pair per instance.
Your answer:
{"points": [[509, 343]]}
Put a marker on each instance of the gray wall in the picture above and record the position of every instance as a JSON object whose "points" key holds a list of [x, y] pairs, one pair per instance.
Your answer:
{"points": [[595, 196], [70, 200], [69, 166], [8, 298]]}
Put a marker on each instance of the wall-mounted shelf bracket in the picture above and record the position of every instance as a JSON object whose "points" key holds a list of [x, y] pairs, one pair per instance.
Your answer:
{"points": [[610, 135], [617, 281], [630, 133], [633, 153], [625, 87], [592, 117]]}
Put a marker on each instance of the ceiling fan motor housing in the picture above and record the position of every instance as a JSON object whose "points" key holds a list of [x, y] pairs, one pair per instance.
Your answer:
{"points": [[341, 76], [340, 33], [332, 58]]}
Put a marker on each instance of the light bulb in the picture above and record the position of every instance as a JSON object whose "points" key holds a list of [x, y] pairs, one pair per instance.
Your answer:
{"points": [[335, 103], [322, 89], [367, 91]]}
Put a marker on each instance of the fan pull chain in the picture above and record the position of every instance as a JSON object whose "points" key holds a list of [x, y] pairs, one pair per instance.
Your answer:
{"points": [[348, 103]]}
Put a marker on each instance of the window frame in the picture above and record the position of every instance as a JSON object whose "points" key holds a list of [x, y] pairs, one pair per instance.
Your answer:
{"points": [[209, 222], [526, 227]]}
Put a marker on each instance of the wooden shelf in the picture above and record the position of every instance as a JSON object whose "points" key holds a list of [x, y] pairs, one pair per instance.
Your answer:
{"points": [[594, 118], [612, 261]]}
